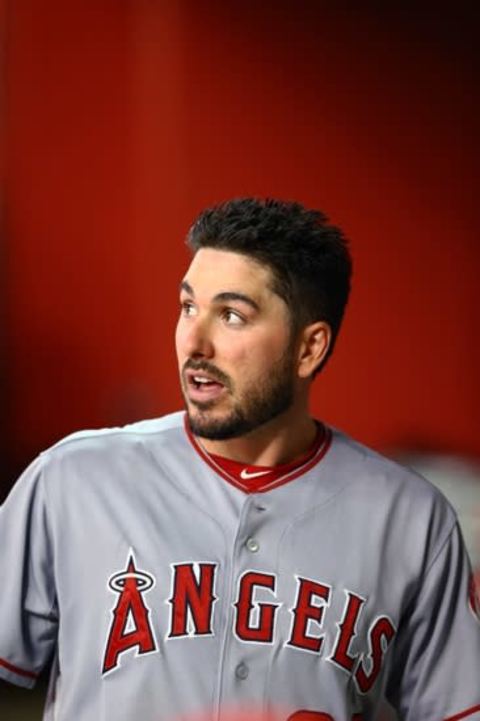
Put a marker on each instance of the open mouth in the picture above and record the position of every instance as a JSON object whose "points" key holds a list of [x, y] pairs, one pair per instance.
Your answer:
{"points": [[202, 386], [204, 383]]}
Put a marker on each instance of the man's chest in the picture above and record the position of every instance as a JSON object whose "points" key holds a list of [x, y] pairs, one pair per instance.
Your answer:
{"points": [[254, 603]]}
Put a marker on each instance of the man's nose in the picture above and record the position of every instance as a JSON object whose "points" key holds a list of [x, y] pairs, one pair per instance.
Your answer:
{"points": [[198, 342]]}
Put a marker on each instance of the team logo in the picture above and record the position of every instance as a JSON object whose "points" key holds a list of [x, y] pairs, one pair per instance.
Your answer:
{"points": [[473, 597], [191, 614], [130, 627]]}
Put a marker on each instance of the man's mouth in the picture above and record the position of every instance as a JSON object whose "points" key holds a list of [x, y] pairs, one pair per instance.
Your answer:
{"points": [[202, 386]]}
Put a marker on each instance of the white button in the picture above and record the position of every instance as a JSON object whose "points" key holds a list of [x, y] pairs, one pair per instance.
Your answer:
{"points": [[241, 671], [252, 545], [260, 507]]}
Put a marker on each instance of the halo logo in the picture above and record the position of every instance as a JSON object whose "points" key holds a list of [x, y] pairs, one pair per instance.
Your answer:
{"points": [[130, 627]]}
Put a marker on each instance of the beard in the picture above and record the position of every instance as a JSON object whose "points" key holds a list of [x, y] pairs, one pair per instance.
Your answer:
{"points": [[270, 396]]}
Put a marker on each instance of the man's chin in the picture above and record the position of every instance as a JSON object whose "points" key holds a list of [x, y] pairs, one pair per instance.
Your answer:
{"points": [[214, 426], [200, 407]]}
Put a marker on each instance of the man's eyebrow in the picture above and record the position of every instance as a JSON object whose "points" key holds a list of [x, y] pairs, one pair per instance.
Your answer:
{"points": [[185, 285], [232, 295], [225, 296]]}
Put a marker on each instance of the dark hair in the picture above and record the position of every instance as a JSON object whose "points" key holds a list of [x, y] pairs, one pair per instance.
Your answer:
{"points": [[309, 259]]}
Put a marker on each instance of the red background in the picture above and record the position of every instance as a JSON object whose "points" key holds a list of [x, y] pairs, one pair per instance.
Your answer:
{"points": [[124, 119]]}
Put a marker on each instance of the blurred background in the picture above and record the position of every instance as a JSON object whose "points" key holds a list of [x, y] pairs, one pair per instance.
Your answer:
{"points": [[122, 119]]}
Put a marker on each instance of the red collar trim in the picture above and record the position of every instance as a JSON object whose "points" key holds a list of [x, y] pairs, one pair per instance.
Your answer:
{"points": [[320, 449]]}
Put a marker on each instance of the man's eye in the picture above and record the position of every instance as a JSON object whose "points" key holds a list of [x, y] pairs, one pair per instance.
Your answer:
{"points": [[233, 318], [188, 308]]}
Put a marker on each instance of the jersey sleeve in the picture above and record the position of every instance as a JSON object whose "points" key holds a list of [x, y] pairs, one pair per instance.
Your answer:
{"points": [[436, 657], [28, 616]]}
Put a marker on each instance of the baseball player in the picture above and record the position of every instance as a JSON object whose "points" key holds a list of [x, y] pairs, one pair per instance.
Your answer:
{"points": [[240, 560]]}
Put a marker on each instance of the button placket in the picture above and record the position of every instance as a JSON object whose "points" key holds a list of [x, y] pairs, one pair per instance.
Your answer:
{"points": [[252, 543], [239, 663]]}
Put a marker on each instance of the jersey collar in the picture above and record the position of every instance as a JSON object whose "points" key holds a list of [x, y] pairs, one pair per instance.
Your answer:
{"points": [[259, 479]]}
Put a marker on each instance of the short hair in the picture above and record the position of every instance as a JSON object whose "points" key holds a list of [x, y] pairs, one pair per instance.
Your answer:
{"points": [[309, 258]]}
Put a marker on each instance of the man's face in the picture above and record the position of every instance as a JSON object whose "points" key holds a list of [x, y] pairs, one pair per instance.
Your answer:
{"points": [[234, 346]]}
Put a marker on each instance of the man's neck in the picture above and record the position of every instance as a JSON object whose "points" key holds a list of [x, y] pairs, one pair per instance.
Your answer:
{"points": [[282, 440]]}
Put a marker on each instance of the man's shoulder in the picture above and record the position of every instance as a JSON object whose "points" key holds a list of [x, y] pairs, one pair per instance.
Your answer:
{"points": [[111, 440], [376, 476], [350, 453], [107, 458]]}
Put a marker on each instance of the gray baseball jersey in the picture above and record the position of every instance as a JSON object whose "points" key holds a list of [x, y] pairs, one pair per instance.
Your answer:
{"points": [[166, 591]]}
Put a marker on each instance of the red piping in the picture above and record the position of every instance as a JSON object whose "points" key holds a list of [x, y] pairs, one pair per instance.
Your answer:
{"points": [[274, 484], [463, 714], [18, 671]]}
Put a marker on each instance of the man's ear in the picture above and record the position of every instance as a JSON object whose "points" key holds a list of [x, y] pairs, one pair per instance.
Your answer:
{"points": [[314, 344]]}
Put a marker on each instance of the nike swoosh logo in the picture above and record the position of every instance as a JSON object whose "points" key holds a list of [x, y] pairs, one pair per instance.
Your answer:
{"points": [[246, 475]]}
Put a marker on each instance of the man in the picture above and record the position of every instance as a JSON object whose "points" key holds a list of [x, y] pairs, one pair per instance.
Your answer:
{"points": [[240, 560]]}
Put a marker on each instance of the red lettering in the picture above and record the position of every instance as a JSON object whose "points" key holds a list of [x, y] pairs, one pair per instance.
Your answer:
{"points": [[380, 637], [347, 628], [262, 632], [305, 610], [192, 599], [130, 611]]}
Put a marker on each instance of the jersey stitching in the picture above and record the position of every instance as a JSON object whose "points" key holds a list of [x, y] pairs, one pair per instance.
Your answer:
{"points": [[47, 514], [122, 431], [188, 499], [415, 598], [441, 547], [311, 511], [417, 593]]}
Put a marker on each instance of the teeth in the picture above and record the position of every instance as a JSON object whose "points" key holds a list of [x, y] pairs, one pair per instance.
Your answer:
{"points": [[201, 380]]}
